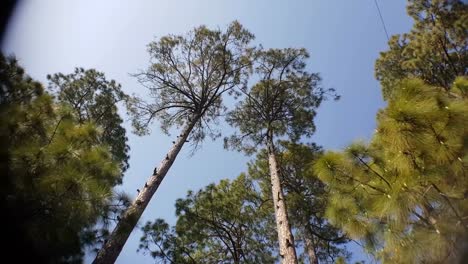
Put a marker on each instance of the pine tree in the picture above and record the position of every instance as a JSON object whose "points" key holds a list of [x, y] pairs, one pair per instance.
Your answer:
{"points": [[222, 223], [186, 80], [405, 193], [435, 50], [57, 176], [281, 104]]}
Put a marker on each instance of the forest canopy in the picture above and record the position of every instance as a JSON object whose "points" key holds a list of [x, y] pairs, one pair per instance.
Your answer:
{"points": [[401, 196]]}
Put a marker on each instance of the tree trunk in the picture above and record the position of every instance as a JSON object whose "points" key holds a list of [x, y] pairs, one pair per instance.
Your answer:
{"points": [[310, 246], [112, 248], [285, 237]]}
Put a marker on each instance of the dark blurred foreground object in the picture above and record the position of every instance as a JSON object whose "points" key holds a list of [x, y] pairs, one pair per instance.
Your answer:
{"points": [[6, 10]]}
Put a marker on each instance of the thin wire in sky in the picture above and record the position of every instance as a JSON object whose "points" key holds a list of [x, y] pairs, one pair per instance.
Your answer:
{"points": [[382, 20]]}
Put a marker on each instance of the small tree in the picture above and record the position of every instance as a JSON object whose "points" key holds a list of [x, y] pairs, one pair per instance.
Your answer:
{"points": [[187, 79], [222, 223], [281, 104]]}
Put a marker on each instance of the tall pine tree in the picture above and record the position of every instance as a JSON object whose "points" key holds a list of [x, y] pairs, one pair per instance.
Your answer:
{"points": [[187, 80], [281, 104]]}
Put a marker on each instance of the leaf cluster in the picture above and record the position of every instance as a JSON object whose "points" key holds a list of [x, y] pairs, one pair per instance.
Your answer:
{"points": [[94, 99], [404, 194]]}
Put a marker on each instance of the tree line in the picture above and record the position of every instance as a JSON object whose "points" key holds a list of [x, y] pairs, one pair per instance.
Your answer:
{"points": [[402, 196]]}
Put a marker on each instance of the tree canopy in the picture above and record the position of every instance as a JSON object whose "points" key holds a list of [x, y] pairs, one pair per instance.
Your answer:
{"points": [[57, 175], [282, 103], [188, 76], [222, 223], [402, 195], [405, 193], [435, 50], [94, 99]]}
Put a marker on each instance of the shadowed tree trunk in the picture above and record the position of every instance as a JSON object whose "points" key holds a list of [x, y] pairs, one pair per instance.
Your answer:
{"points": [[310, 246], [285, 237], [305, 198], [111, 250]]}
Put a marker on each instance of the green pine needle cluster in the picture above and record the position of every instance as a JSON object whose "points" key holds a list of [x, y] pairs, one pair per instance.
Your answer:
{"points": [[407, 188]]}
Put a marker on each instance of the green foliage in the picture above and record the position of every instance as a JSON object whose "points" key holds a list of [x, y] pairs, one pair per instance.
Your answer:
{"points": [[188, 77], [94, 99], [405, 193], [282, 103], [223, 223], [57, 175], [306, 198], [186, 81], [435, 50]]}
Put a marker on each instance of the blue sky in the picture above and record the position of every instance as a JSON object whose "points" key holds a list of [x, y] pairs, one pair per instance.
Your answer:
{"points": [[344, 37]]}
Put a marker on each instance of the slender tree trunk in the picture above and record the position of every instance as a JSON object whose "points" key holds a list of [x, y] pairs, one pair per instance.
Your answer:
{"points": [[112, 248], [285, 237], [310, 246]]}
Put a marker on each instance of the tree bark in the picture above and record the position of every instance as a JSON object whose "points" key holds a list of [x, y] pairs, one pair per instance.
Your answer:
{"points": [[310, 246], [285, 237], [112, 248]]}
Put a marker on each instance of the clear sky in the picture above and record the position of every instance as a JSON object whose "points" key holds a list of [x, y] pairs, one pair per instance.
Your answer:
{"points": [[344, 37]]}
